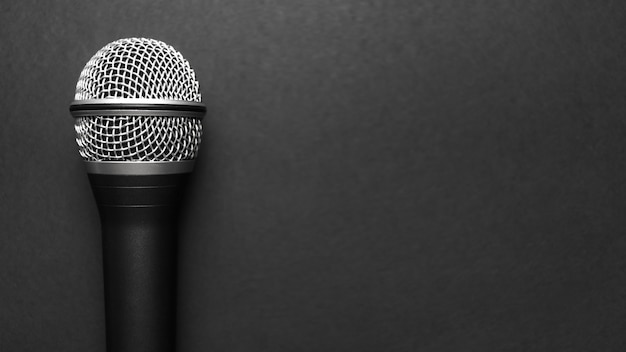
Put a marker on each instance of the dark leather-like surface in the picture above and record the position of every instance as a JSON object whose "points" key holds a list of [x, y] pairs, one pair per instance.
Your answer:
{"points": [[374, 176]]}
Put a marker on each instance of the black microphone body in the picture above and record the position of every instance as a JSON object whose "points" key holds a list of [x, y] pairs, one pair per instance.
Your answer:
{"points": [[139, 216]]}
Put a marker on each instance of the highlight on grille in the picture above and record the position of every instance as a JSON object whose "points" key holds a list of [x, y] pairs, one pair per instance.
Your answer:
{"points": [[138, 68]]}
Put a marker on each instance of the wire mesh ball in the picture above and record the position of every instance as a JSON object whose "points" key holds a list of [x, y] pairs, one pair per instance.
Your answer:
{"points": [[145, 69]]}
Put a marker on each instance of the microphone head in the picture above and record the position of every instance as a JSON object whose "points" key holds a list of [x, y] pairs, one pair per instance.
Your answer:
{"points": [[138, 99]]}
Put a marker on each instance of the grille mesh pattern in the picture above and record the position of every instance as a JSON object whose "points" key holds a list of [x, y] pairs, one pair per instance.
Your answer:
{"points": [[138, 68]]}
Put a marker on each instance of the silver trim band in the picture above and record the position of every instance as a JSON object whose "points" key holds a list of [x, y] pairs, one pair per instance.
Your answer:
{"points": [[137, 107], [135, 101], [139, 167]]}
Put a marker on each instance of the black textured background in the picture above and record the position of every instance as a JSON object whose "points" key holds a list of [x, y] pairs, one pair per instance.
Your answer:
{"points": [[376, 175]]}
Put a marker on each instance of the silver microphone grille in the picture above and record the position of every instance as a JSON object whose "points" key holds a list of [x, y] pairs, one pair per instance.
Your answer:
{"points": [[138, 68]]}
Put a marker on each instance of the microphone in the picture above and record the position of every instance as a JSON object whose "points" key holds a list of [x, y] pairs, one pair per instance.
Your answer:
{"points": [[138, 112]]}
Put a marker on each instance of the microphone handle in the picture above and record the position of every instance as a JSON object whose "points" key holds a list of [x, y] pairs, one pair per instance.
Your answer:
{"points": [[139, 220]]}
